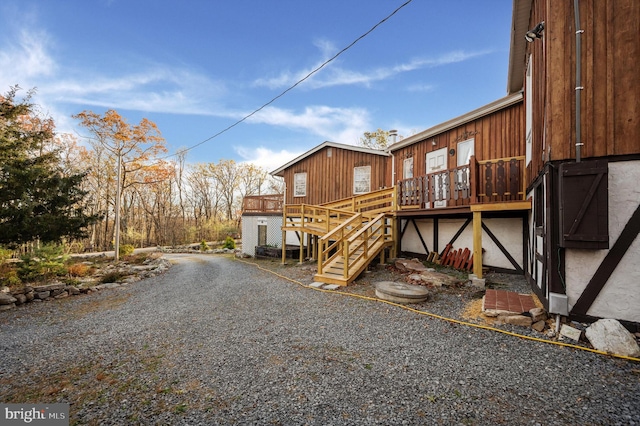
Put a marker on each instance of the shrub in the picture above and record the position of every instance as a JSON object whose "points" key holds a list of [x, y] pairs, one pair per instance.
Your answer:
{"points": [[44, 263], [78, 270], [125, 250], [112, 277], [229, 243], [204, 246]]}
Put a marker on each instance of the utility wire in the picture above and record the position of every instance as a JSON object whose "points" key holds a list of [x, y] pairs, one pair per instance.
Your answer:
{"points": [[328, 61]]}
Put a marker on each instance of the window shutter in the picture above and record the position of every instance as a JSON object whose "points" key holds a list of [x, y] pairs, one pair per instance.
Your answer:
{"points": [[584, 205]]}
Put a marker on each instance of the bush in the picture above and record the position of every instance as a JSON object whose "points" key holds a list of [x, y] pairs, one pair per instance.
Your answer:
{"points": [[229, 243], [78, 270], [112, 277], [204, 246], [44, 263], [125, 250]]}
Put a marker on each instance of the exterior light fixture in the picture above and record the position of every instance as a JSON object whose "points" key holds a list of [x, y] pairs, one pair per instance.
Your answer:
{"points": [[535, 33]]}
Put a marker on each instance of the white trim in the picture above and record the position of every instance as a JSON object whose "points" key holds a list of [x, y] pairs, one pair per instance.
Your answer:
{"points": [[300, 184]]}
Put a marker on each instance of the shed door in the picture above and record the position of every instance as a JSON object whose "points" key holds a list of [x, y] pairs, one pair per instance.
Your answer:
{"points": [[437, 162], [262, 235]]}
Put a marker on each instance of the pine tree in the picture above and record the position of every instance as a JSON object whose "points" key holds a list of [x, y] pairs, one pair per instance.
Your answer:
{"points": [[38, 202]]}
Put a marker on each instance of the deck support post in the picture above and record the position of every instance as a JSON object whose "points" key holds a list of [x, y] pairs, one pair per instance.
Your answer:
{"points": [[477, 243], [284, 247], [301, 260]]}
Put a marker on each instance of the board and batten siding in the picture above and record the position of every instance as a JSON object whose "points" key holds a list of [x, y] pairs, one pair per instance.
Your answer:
{"points": [[610, 110], [497, 135], [330, 174]]}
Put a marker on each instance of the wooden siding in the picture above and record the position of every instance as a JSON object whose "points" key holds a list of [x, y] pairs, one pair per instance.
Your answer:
{"points": [[330, 178], [610, 111], [497, 135]]}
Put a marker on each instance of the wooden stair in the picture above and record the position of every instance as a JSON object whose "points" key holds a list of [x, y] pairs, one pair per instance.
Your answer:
{"points": [[351, 232]]}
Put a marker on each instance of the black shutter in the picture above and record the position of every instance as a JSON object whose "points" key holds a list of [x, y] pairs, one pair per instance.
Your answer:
{"points": [[584, 205]]}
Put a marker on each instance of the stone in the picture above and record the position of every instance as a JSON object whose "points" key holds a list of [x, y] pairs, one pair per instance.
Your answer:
{"points": [[539, 326], [538, 314], [7, 307], [438, 279], [331, 287], [478, 282], [41, 295], [413, 265], [20, 299], [106, 286], [73, 290], [5, 289], [401, 292], [519, 320], [6, 299], [570, 332], [61, 295], [49, 287], [30, 296], [608, 335]]}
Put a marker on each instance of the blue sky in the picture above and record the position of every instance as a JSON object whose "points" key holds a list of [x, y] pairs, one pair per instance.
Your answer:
{"points": [[196, 67]]}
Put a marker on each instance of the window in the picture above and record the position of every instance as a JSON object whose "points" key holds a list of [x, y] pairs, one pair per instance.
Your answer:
{"points": [[361, 179], [300, 185], [407, 168], [465, 151]]}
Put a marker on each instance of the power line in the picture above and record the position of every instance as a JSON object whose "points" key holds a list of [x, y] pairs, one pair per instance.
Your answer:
{"points": [[328, 61]]}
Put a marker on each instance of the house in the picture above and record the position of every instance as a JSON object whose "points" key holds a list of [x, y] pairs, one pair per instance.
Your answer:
{"points": [[326, 173], [466, 171], [333, 171], [578, 69]]}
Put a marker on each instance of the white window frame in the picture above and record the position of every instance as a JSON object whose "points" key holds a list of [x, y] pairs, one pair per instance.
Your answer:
{"points": [[407, 168], [361, 179], [300, 184], [465, 153]]}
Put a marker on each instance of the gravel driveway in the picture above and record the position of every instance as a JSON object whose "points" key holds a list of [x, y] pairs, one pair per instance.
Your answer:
{"points": [[215, 341]]}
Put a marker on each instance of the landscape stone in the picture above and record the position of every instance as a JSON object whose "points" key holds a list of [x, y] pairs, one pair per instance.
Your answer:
{"points": [[570, 332], [538, 314], [7, 307], [608, 335], [6, 299], [41, 295], [539, 326], [49, 287], [20, 299], [519, 320]]}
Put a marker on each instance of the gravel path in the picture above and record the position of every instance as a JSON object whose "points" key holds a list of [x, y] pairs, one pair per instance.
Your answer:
{"points": [[215, 341]]}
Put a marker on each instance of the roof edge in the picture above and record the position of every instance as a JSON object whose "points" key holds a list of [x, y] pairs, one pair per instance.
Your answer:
{"points": [[455, 122], [280, 170]]}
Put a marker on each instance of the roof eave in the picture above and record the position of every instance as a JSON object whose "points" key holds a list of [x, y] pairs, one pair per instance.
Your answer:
{"points": [[448, 125]]}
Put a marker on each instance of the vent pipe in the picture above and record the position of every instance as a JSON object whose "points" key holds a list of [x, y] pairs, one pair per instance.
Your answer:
{"points": [[393, 136]]}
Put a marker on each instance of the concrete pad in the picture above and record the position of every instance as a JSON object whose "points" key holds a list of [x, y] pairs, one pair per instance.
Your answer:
{"points": [[331, 287], [316, 285]]}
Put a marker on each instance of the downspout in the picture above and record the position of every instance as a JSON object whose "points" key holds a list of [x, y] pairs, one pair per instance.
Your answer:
{"points": [[579, 144], [393, 135]]}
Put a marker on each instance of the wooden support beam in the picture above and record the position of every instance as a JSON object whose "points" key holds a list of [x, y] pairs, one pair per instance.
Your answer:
{"points": [[477, 243]]}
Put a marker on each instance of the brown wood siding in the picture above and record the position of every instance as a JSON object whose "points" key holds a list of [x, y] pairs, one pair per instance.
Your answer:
{"points": [[610, 111], [331, 178], [497, 135]]}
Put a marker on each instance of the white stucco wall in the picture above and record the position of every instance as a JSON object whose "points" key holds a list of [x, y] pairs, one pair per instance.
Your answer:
{"points": [[250, 232], [620, 298], [508, 231]]}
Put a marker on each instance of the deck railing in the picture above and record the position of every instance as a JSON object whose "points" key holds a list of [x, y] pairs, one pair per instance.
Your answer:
{"points": [[487, 181], [271, 203]]}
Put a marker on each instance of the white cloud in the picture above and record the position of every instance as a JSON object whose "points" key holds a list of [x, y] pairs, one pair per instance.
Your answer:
{"points": [[334, 124], [266, 158], [334, 75]]}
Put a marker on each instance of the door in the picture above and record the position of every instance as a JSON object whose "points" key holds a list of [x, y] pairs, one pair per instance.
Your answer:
{"points": [[262, 235], [438, 181]]}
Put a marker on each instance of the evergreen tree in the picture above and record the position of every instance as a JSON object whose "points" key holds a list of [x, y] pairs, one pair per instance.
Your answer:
{"points": [[37, 200]]}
